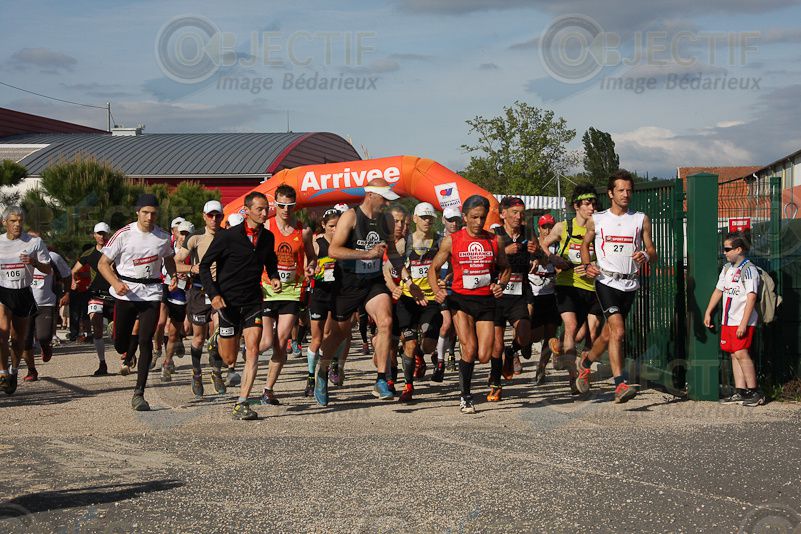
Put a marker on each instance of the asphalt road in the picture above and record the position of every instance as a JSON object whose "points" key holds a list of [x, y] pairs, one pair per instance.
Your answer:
{"points": [[77, 459]]}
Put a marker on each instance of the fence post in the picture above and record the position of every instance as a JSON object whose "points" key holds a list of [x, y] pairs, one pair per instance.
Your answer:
{"points": [[776, 229], [703, 370]]}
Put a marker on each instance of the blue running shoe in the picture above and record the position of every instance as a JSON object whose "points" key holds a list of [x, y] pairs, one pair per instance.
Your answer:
{"points": [[321, 389], [382, 391]]}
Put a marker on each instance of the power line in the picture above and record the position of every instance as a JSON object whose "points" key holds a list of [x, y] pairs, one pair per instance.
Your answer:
{"points": [[52, 97]]}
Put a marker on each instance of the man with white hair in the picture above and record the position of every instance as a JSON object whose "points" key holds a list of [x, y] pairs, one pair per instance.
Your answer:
{"points": [[20, 255]]}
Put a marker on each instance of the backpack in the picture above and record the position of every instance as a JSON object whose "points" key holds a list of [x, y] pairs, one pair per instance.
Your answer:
{"points": [[767, 298]]}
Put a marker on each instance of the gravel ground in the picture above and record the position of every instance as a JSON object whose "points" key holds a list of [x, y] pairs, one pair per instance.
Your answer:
{"points": [[78, 459]]}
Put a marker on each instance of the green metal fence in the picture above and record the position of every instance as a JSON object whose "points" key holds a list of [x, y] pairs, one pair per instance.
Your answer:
{"points": [[656, 327]]}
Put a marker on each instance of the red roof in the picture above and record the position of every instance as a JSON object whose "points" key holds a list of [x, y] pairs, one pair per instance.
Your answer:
{"points": [[15, 123], [724, 173]]}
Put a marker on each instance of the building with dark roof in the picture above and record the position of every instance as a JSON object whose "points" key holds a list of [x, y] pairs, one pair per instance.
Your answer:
{"points": [[234, 163]]}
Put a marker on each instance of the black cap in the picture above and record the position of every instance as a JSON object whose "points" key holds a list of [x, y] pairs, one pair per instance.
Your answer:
{"points": [[146, 199]]}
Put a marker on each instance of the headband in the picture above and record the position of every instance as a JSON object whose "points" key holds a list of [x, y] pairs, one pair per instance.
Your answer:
{"points": [[586, 196]]}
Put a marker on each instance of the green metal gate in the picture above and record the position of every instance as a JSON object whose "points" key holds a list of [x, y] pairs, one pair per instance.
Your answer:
{"points": [[656, 328]]}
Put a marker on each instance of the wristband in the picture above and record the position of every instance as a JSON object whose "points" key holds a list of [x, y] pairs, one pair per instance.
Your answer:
{"points": [[406, 280], [647, 257]]}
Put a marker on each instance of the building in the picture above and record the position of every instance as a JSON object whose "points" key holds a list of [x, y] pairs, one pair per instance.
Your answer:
{"points": [[787, 168], [234, 163]]}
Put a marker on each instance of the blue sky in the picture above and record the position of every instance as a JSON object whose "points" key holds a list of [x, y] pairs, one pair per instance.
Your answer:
{"points": [[433, 63]]}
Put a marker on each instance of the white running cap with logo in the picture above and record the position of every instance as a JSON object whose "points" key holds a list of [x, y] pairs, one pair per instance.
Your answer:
{"points": [[213, 205], [186, 226], [383, 190], [424, 209], [102, 227], [235, 218], [176, 221], [450, 213]]}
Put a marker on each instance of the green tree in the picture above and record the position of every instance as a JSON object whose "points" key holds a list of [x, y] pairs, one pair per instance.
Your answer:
{"points": [[600, 159], [521, 152], [185, 201], [11, 174]]}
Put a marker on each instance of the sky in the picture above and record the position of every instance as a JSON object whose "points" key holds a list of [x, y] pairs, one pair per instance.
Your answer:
{"points": [[676, 83]]}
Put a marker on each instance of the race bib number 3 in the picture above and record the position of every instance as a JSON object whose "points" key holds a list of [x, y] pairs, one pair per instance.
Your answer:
{"points": [[475, 281], [368, 266]]}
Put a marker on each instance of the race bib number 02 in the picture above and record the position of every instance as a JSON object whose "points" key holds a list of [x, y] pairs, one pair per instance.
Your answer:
{"points": [[287, 275], [475, 281]]}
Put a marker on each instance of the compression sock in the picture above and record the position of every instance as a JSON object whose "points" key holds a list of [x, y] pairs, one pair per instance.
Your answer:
{"points": [[408, 369], [100, 349], [465, 377], [496, 365], [196, 353], [311, 361]]}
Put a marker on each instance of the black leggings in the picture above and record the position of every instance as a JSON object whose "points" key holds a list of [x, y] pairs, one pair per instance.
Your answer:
{"points": [[125, 314]]}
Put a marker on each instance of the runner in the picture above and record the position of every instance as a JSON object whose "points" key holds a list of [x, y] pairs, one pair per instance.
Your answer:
{"points": [[623, 244], [545, 317], [361, 238], [198, 305], [101, 303], [392, 277], [241, 253], [513, 306], [480, 272], [46, 289], [293, 246], [176, 301], [575, 292], [322, 295], [417, 317], [138, 251], [164, 311], [451, 221], [20, 255]]}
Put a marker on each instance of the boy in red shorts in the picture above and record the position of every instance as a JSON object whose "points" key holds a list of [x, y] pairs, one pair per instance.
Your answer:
{"points": [[738, 287]]}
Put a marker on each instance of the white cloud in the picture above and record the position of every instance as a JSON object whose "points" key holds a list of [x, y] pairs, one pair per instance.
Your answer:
{"points": [[46, 60]]}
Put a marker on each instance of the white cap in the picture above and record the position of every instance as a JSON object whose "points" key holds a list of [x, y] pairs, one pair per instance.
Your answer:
{"points": [[383, 190], [494, 226], [451, 212], [424, 209], [176, 221], [186, 226], [212, 205], [235, 218], [341, 208], [102, 227]]}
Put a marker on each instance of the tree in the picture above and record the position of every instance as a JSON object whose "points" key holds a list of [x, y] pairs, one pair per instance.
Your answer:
{"points": [[600, 159], [11, 174], [185, 201], [522, 151]]}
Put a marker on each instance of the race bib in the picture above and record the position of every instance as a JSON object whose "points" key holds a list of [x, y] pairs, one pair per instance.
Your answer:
{"points": [[12, 272], [181, 283], [328, 273], [420, 271], [146, 267], [515, 285], [37, 282], [368, 266], [207, 300], [95, 307], [574, 253], [287, 274], [475, 281], [619, 246]]}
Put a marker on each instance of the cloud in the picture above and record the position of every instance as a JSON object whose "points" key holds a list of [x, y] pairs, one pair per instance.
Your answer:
{"points": [[46, 60], [778, 36], [99, 90], [488, 66], [531, 44], [411, 57], [379, 66], [458, 7]]}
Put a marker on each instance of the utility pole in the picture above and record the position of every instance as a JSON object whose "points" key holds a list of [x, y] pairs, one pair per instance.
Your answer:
{"points": [[108, 115]]}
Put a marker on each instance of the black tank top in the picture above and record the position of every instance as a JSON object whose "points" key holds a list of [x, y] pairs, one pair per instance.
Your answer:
{"points": [[520, 262], [364, 236]]}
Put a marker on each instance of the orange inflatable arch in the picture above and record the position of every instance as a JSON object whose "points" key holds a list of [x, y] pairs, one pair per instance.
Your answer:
{"points": [[335, 183]]}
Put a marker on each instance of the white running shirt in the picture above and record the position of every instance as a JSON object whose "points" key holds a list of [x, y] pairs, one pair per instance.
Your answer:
{"points": [[736, 282], [138, 254], [617, 238], [13, 273], [42, 285]]}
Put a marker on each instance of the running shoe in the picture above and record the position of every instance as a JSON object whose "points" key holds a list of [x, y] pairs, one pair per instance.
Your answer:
{"points": [[217, 382], [624, 393], [419, 366], [539, 375], [296, 350], [382, 391], [197, 386], [555, 345], [321, 389], [309, 391], [573, 389], [243, 412], [333, 374], [583, 380], [365, 349], [232, 379], [32, 376], [125, 369], [155, 359], [439, 372], [268, 398], [139, 403], [4, 383], [757, 399], [518, 366], [406, 394], [466, 405], [494, 394], [165, 374], [508, 370], [391, 386], [452, 363], [11, 384], [171, 366], [733, 399], [180, 351], [102, 370], [47, 353]]}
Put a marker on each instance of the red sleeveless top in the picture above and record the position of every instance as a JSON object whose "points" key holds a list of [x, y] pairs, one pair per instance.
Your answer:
{"points": [[474, 261]]}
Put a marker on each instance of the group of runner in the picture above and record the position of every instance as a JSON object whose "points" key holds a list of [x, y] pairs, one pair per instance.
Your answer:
{"points": [[251, 284]]}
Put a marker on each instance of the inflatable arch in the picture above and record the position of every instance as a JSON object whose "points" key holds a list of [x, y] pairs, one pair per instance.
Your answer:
{"points": [[409, 176]]}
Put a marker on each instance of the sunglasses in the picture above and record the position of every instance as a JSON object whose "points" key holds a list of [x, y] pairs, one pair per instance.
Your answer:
{"points": [[283, 205], [454, 219], [727, 249], [214, 215], [332, 211]]}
